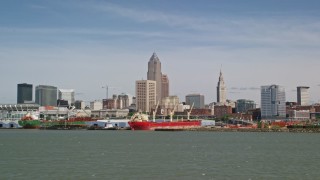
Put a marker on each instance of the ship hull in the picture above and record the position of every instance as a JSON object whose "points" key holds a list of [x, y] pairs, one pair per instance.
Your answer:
{"points": [[30, 124], [147, 125]]}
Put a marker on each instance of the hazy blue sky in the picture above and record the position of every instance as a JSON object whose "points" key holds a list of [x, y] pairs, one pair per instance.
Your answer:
{"points": [[85, 44]]}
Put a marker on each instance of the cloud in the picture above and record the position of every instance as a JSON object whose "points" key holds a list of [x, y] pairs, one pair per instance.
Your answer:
{"points": [[261, 31], [197, 31], [245, 88], [80, 31], [36, 6], [234, 92], [145, 15], [254, 88]]}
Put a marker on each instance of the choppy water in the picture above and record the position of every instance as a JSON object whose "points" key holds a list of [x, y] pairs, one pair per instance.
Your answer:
{"points": [[48, 154]]}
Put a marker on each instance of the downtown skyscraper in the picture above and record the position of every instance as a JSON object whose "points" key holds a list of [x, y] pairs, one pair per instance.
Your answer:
{"points": [[24, 93], [303, 96], [46, 95], [273, 102], [155, 74], [221, 90]]}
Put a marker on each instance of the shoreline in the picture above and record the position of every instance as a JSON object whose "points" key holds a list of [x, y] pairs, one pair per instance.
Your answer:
{"points": [[287, 130], [208, 129]]}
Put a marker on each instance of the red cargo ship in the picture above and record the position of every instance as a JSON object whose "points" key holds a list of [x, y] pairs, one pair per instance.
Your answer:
{"points": [[149, 125], [141, 122]]}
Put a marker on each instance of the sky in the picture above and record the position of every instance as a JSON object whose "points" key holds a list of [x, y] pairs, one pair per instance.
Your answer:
{"points": [[89, 44]]}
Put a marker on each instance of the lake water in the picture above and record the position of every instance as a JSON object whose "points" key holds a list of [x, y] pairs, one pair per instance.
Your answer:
{"points": [[82, 154]]}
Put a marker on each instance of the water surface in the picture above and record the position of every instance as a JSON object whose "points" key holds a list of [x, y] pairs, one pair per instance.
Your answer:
{"points": [[50, 154]]}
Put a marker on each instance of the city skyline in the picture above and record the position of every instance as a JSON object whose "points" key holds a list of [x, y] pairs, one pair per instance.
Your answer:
{"points": [[85, 45]]}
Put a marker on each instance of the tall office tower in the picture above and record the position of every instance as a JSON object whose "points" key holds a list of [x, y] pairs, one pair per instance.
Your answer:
{"points": [[46, 95], [196, 99], [67, 94], [154, 74], [303, 95], [165, 86], [24, 93], [145, 95], [221, 90], [273, 102], [243, 105]]}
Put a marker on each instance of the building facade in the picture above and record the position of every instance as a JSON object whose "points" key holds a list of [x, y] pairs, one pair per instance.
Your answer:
{"points": [[145, 95], [124, 101], [221, 111], [221, 90], [273, 102], [46, 95], [303, 96], [196, 99], [164, 86], [170, 103], [121, 101], [24, 93], [96, 105], [67, 95], [79, 104], [243, 105], [299, 115], [155, 74]]}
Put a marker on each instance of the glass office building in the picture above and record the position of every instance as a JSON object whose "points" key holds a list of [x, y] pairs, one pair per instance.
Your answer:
{"points": [[24, 93], [46, 95]]}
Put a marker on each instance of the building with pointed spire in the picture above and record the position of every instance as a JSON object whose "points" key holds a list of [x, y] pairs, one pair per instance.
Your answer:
{"points": [[155, 74], [221, 90]]}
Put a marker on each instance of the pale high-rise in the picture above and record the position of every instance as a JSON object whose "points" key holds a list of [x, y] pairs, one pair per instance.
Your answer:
{"points": [[273, 102], [67, 94], [221, 90], [303, 97], [154, 74], [145, 95]]}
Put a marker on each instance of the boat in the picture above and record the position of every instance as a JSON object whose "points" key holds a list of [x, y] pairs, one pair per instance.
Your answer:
{"points": [[30, 121], [141, 121], [151, 125], [67, 124]]}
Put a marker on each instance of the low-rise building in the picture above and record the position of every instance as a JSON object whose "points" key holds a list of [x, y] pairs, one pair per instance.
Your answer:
{"points": [[96, 105], [221, 111], [299, 115]]}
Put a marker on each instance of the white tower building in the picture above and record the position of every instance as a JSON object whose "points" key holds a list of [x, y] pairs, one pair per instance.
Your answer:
{"points": [[221, 90]]}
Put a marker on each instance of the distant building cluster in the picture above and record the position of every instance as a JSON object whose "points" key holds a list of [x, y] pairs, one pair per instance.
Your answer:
{"points": [[153, 95]]}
